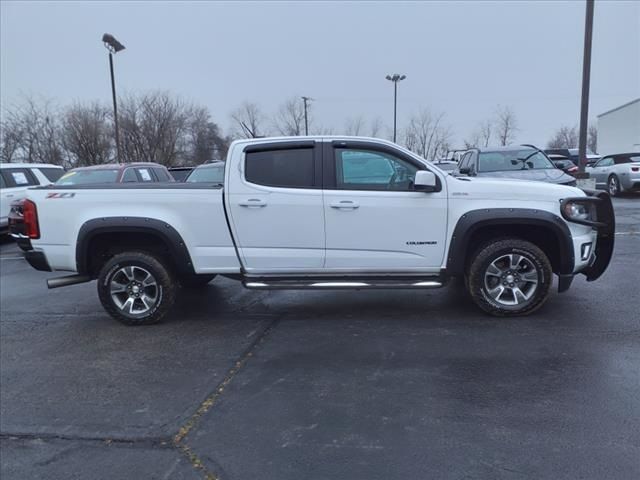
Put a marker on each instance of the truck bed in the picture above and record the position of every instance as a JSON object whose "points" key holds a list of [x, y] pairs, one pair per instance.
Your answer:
{"points": [[196, 211]]}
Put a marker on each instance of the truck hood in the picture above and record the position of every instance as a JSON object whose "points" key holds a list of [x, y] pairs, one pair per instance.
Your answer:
{"points": [[550, 175], [497, 188]]}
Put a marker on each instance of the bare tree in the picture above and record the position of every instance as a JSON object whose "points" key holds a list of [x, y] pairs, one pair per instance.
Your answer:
{"points": [[10, 136], [376, 127], [426, 133], [87, 134], [486, 129], [155, 126], [31, 133], [354, 126], [152, 126], [592, 140], [289, 120], [203, 141], [506, 125], [564, 137], [473, 141], [248, 116]]}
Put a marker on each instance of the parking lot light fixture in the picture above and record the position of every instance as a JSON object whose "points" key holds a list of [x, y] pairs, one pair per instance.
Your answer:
{"points": [[113, 46], [395, 78]]}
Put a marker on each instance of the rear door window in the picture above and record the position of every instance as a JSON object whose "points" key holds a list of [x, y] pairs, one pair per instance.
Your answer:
{"points": [[3, 184], [161, 174], [129, 176], [145, 175], [52, 174], [289, 168], [19, 177]]}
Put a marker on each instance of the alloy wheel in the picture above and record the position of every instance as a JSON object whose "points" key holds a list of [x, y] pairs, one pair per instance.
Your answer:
{"points": [[134, 290], [511, 279]]}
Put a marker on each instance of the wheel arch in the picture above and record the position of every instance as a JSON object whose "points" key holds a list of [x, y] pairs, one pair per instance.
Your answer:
{"points": [[99, 239], [542, 228]]}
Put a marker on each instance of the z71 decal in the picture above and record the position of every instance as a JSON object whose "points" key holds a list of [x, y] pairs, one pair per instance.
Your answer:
{"points": [[61, 195]]}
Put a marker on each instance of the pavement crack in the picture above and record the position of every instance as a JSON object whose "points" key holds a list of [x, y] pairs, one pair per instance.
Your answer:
{"points": [[179, 439]]}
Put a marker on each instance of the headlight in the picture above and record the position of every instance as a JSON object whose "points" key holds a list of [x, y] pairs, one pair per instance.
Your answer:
{"points": [[577, 211]]}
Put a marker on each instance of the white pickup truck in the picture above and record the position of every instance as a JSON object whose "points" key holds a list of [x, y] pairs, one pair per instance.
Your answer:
{"points": [[320, 213]]}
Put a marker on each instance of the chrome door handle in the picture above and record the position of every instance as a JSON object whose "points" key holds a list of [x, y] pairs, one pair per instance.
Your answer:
{"points": [[252, 202], [344, 204]]}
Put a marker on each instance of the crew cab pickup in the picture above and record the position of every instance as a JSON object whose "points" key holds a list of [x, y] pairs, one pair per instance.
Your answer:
{"points": [[320, 213]]}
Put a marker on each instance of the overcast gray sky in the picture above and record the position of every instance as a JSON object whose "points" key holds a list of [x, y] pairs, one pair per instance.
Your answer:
{"points": [[463, 58]]}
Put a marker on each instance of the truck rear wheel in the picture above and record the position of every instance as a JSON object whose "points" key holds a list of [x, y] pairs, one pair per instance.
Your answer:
{"points": [[136, 288], [509, 277]]}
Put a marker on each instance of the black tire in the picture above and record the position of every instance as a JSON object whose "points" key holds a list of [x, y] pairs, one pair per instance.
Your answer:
{"points": [[491, 273], [196, 281], [136, 296], [613, 186]]}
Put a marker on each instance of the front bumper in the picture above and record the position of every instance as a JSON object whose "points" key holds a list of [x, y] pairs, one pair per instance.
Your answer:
{"points": [[605, 227]]}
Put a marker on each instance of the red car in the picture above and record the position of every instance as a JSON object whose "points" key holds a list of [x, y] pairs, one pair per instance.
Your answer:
{"points": [[143, 172], [139, 172]]}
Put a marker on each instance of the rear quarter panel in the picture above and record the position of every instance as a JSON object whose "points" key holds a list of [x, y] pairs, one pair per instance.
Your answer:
{"points": [[197, 214]]}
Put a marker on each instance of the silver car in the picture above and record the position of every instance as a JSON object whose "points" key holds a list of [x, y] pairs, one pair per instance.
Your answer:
{"points": [[617, 173]]}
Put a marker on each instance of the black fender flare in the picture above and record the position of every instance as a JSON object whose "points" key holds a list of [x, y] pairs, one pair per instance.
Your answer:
{"points": [[472, 221], [165, 232]]}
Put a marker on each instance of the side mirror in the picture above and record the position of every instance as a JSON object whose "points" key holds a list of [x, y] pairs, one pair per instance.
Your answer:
{"points": [[425, 181], [465, 171]]}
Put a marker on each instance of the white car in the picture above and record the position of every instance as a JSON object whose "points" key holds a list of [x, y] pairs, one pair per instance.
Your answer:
{"points": [[15, 178], [617, 173], [320, 213]]}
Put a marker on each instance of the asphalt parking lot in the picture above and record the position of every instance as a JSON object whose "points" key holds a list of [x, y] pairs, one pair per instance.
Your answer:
{"points": [[240, 384]]}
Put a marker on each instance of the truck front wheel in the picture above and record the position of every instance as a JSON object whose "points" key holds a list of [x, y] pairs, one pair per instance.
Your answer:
{"points": [[509, 277], [136, 288]]}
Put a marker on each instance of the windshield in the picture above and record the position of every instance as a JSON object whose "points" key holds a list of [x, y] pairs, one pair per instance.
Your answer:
{"points": [[513, 160], [208, 174], [85, 177]]}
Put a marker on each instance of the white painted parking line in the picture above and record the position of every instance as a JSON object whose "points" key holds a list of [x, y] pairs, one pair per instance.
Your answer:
{"points": [[11, 258]]}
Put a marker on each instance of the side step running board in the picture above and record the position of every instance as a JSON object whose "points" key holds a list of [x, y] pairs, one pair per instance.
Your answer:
{"points": [[357, 284]]}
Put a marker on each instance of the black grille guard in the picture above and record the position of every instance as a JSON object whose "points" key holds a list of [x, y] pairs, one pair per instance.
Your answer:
{"points": [[606, 228]]}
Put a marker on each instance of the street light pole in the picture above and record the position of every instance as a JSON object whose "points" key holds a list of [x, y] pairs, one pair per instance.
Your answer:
{"points": [[113, 46], [395, 78], [306, 119], [586, 80], [115, 108]]}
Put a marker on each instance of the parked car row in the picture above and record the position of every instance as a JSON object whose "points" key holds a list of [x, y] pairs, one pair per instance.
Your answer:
{"points": [[16, 178], [616, 173]]}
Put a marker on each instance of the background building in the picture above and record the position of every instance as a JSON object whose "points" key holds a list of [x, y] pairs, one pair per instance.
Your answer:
{"points": [[619, 129]]}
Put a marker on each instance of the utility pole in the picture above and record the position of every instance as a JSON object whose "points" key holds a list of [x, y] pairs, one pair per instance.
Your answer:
{"points": [[113, 46], [306, 118], [395, 78], [586, 79]]}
